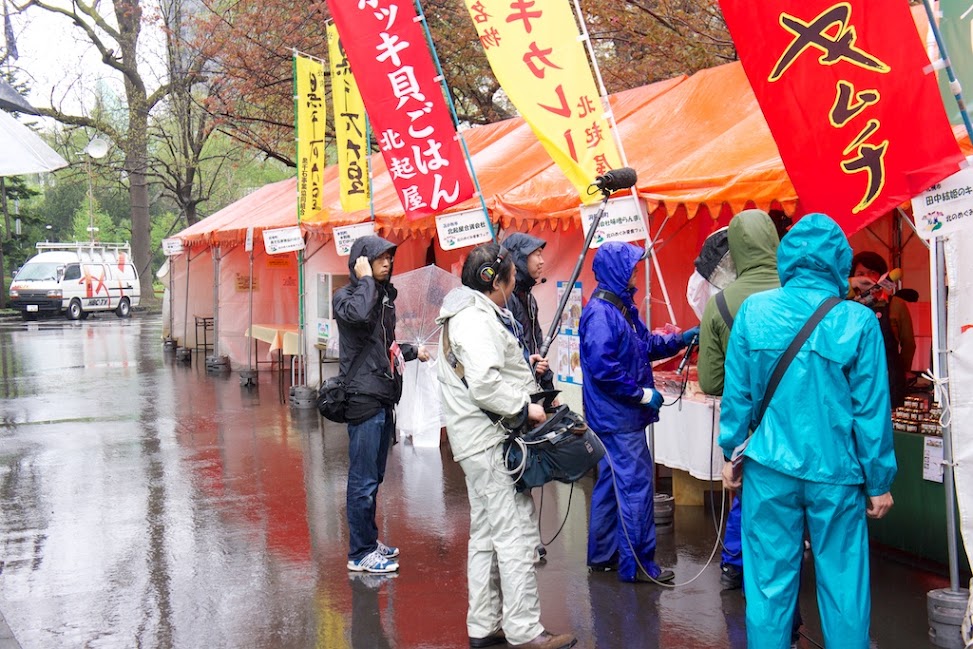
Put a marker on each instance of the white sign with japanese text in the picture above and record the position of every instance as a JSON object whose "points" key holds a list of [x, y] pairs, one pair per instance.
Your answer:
{"points": [[946, 206], [248, 244], [622, 221], [346, 235], [283, 240], [462, 229], [932, 459], [172, 247]]}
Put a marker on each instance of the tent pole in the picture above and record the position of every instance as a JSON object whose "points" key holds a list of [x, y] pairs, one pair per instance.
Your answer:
{"points": [[452, 112], [940, 364]]}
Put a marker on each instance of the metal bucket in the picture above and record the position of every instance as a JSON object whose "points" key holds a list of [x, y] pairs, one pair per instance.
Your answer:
{"points": [[665, 509]]}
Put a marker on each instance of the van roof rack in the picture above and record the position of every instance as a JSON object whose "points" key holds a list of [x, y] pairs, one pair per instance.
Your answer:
{"points": [[85, 246]]}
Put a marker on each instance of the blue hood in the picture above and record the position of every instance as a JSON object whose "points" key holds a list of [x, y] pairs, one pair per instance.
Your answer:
{"points": [[613, 266], [815, 254]]}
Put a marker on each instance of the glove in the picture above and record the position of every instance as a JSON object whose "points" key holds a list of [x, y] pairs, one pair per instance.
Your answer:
{"points": [[689, 334], [652, 397]]}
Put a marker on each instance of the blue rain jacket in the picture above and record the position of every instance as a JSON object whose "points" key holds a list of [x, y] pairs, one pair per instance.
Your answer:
{"points": [[830, 419], [616, 354]]}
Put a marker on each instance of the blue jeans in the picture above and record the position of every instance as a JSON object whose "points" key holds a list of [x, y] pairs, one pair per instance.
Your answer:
{"points": [[368, 451]]}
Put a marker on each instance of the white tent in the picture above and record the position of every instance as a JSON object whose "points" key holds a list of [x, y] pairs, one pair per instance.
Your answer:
{"points": [[23, 152]]}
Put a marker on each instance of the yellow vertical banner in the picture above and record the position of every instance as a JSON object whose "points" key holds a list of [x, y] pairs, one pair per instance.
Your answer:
{"points": [[311, 124], [349, 128], [537, 56]]}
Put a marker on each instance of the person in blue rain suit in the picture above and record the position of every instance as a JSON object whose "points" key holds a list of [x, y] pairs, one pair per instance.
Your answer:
{"points": [[822, 454], [620, 400]]}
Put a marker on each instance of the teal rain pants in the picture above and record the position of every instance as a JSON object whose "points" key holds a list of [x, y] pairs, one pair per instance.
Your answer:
{"points": [[775, 510]]}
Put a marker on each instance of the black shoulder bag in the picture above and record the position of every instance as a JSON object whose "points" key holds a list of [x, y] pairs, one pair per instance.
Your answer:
{"points": [[562, 448], [332, 399]]}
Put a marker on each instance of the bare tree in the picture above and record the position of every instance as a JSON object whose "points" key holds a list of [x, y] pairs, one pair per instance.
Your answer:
{"points": [[183, 164], [118, 45]]}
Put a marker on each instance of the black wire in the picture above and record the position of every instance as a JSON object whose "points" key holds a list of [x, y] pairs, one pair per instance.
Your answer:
{"points": [[540, 511]]}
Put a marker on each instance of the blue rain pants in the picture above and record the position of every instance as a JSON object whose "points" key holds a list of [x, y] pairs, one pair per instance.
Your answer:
{"points": [[775, 511], [627, 466]]}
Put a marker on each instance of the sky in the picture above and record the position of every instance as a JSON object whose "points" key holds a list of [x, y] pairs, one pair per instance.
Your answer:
{"points": [[60, 64]]}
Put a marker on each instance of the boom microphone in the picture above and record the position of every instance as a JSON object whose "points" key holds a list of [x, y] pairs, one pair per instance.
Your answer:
{"points": [[621, 178]]}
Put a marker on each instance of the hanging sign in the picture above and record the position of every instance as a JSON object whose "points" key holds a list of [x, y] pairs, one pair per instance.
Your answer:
{"points": [[569, 340], [462, 229], [350, 128], [248, 244], [283, 240], [311, 126], [622, 221], [536, 53], [172, 247], [345, 236], [244, 283], [872, 130], [932, 459], [386, 45], [946, 206]]}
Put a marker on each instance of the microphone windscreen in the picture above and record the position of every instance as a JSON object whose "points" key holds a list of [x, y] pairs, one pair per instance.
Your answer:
{"points": [[895, 274], [623, 178]]}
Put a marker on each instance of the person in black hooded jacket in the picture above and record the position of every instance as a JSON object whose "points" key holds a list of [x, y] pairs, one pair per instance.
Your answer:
{"points": [[527, 252], [365, 313]]}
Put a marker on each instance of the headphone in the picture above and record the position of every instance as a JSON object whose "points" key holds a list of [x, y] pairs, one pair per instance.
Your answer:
{"points": [[488, 272]]}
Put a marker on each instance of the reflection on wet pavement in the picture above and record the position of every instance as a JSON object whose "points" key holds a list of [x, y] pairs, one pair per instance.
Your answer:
{"points": [[146, 503]]}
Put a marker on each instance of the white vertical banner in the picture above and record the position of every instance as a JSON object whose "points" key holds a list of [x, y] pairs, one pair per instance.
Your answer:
{"points": [[959, 340]]}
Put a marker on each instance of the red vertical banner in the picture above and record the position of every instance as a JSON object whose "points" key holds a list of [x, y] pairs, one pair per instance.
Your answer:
{"points": [[386, 47], [859, 125]]}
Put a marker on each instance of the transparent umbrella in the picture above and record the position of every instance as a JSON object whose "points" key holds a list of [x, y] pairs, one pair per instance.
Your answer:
{"points": [[421, 294]]}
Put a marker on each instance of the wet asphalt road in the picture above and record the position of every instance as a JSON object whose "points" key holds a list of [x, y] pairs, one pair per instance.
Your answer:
{"points": [[145, 503]]}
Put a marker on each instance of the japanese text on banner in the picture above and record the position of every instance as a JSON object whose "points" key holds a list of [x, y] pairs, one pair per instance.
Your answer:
{"points": [[311, 124], [405, 103], [349, 128], [536, 55], [859, 126]]}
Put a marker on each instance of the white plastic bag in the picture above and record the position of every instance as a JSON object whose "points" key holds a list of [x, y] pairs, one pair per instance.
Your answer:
{"points": [[419, 414]]}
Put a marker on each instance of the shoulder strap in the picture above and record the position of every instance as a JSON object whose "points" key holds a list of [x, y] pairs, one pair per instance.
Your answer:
{"points": [[454, 362], [611, 298], [791, 352], [724, 309]]}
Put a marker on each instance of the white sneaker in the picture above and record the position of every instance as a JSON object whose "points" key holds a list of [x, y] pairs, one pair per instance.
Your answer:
{"points": [[374, 561], [387, 551]]}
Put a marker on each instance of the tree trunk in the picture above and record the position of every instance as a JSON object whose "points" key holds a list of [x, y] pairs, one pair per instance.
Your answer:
{"points": [[136, 164]]}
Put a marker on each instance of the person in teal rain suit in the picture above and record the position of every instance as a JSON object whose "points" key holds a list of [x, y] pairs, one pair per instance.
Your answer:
{"points": [[822, 455]]}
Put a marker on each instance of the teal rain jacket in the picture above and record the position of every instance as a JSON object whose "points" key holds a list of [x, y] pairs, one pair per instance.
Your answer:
{"points": [[830, 419]]}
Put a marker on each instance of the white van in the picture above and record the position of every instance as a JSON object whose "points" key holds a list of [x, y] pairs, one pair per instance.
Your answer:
{"points": [[76, 279]]}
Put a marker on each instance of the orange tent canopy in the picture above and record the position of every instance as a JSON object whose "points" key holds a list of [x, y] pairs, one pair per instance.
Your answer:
{"points": [[271, 206], [704, 141]]}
